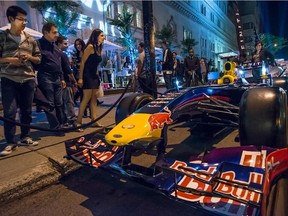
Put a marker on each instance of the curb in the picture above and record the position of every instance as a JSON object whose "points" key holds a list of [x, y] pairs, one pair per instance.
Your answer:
{"points": [[43, 175]]}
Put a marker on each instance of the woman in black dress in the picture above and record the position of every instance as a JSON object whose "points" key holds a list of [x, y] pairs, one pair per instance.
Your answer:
{"points": [[79, 46], [89, 79]]}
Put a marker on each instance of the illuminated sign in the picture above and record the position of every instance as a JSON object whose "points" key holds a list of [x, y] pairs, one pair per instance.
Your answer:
{"points": [[240, 36]]}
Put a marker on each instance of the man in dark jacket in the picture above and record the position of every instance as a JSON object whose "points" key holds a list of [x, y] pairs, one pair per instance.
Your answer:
{"points": [[71, 83], [177, 68], [259, 56], [50, 75], [191, 65], [167, 65]]}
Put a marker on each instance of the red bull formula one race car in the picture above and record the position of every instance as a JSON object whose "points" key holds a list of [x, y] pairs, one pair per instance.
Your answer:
{"points": [[251, 179]]}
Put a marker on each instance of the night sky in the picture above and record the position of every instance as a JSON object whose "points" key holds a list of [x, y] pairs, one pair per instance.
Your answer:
{"points": [[275, 17]]}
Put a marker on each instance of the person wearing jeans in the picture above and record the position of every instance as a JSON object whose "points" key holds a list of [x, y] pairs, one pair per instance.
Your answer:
{"points": [[71, 84], [18, 51], [50, 76], [51, 86]]}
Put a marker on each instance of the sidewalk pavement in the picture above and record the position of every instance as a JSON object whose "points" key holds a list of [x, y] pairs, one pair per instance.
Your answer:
{"points": [[29, 169]]}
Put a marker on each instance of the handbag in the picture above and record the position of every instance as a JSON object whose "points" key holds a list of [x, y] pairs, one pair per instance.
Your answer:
{"points": [[100, 91]]}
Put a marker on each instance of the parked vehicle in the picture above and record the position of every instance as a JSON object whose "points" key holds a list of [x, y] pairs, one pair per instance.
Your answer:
{"points": [[247, 180]]}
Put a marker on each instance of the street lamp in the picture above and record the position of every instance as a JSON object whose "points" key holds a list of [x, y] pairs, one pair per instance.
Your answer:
{"points": [[272, 44]]}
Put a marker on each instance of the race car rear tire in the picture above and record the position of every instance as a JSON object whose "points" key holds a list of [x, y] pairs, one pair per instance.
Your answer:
{"points": [[281, 82], [130, 104], [277, 200], [263, 117]]}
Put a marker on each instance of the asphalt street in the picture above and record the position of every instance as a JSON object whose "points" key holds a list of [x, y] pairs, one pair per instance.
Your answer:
{"points": [[30, 169]]}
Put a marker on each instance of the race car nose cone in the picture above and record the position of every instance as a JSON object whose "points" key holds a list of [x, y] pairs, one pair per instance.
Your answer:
{"points": [[134, 127]]}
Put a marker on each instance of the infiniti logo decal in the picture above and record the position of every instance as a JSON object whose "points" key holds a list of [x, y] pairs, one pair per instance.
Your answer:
{"points": [[130, 126], [117, 135]]}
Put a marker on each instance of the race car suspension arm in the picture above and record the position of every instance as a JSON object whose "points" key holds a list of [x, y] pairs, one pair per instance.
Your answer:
{"points": [[229, 122], [219, 102], [223, 104], [215, 110], [224, 122], [218, 106]]}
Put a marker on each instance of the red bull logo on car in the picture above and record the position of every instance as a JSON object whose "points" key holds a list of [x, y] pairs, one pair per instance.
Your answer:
{"points": [[158, 120]]}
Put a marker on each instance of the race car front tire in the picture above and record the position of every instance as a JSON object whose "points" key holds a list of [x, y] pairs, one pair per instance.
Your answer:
{"points": [[130, 104], [277, 200], [263, 117]]}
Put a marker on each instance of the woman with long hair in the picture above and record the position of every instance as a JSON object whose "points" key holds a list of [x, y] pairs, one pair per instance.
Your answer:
{"points": [[89, 79], [79, 46]]}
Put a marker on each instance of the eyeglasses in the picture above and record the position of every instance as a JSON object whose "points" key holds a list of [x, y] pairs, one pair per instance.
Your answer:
{"points": [[22, 19]]}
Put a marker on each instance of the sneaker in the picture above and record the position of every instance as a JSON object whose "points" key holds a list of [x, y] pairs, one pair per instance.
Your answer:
{"points": [[99, 102], [97, 124], [66, 125], [39, 109], [27, 142], [78, 129], [8, 149]]}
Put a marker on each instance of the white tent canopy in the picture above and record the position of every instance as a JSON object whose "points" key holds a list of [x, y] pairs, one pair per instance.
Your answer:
{"points": [[107, 45], [110, 46], [30, 31]]}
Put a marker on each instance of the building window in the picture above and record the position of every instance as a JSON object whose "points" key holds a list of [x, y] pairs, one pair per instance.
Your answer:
{"points": [[219, 23], [203, 43], [248, 25], [139, 16], [248, 39], [212, 17], [212, 47], [130, 10], [119, 8], [109, 13], [187, 34], [203, 9], [138, 19], [219, 48], [223, 6]]}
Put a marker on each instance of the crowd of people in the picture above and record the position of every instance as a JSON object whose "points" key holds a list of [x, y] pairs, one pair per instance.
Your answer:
{"points": [[191, 72], [63, 81], [60, 80]]}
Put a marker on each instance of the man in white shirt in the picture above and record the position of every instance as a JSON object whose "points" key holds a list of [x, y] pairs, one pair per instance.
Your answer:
{"points": [[141, 70]]}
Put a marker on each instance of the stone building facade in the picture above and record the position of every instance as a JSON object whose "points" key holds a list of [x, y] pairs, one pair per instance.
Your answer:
{"points": [[206, 21]]}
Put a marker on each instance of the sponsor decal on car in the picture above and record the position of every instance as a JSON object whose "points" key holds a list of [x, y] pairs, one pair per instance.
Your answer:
{"points": [[158, 120]]}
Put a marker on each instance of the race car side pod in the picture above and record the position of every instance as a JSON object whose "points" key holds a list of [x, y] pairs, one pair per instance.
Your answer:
{"points": [[73, 128]]}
